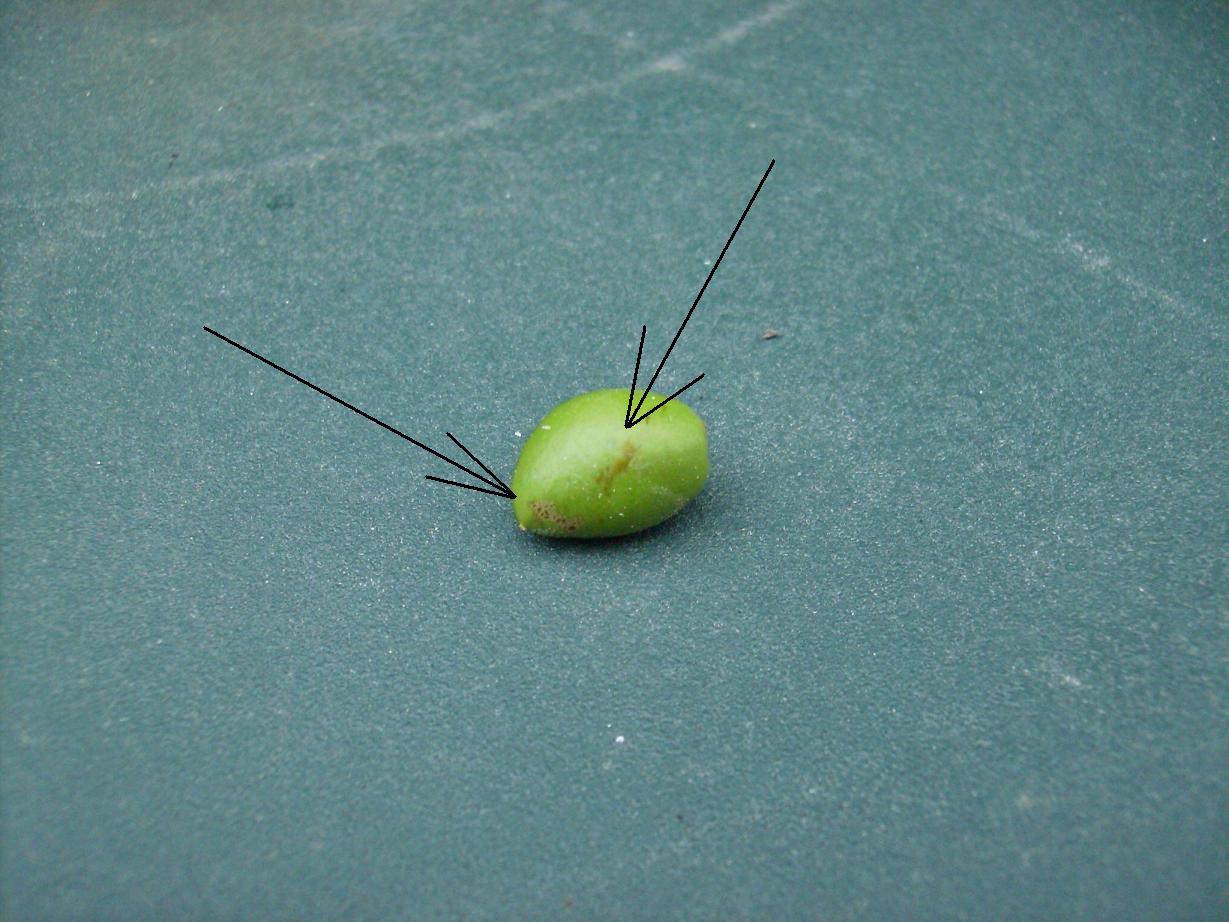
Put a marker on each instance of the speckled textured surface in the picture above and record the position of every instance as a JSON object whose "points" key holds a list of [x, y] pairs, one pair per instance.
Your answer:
{"points": [[945, 635]]}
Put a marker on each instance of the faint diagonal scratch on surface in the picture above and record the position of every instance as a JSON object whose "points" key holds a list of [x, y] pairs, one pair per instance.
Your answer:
{"points": [[677, 61], [1066, 246], [369, 150], [1087, 258], [744, 27]]}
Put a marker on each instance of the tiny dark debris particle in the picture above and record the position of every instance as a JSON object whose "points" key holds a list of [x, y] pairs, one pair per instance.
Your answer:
{"points": [[280, 201]]}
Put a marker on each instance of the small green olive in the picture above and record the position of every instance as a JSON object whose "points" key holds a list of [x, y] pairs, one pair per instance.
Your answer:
{"points": [[581, 474]]}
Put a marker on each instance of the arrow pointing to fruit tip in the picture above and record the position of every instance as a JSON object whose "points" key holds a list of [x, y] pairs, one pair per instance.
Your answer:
{"points": [[497, 486], [631, 418]]}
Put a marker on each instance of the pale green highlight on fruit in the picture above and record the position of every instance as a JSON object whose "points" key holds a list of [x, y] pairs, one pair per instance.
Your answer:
{"points": [[581, 474]]}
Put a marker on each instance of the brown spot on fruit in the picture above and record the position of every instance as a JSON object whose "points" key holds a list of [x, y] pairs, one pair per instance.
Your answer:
{"points": [[547, 512], [605, 478]]}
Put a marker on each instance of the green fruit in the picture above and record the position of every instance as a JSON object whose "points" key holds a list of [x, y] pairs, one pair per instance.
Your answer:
{"points": [[581, 474]]}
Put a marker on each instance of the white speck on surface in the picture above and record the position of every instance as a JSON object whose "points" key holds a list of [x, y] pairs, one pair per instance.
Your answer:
{"points": [[620, 740], [546, 427], [669, 64], [517, 434]]}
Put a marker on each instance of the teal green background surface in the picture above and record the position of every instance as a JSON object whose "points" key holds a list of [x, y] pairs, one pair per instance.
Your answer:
{"points": [[945, 636]]}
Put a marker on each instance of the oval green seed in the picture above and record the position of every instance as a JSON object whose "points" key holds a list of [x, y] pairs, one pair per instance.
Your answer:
{"points": [[581, 474]]}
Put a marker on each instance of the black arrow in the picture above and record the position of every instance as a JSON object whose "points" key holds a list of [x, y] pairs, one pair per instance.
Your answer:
{"points": [[630, 419], [500, 488]]}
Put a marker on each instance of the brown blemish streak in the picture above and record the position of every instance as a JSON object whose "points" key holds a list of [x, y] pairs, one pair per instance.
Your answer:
{"points": [[547, 512], [605, 478]]}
